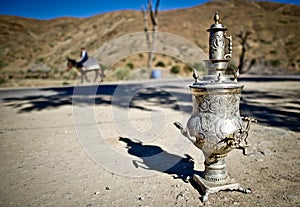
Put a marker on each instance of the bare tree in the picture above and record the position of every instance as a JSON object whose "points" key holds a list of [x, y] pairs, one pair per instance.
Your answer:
{"points": [[151, 12], [244, 66]]}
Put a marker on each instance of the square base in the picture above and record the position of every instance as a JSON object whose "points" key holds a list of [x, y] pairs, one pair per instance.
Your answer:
{"points": [[211, 187]]}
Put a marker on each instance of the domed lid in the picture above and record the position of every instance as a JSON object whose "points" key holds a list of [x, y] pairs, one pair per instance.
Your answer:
{"points": [[217, 26]]}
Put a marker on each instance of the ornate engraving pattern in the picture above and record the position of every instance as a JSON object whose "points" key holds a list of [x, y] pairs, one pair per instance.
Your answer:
{"points": [[214, 118], [217, 45]]}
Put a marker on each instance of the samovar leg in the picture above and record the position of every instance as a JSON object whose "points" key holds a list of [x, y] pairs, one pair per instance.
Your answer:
{"points": [[208, 187], [205, 197]]}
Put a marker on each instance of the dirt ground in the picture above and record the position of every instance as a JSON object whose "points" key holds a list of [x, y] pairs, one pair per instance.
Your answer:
{"points": [[47, 142]]}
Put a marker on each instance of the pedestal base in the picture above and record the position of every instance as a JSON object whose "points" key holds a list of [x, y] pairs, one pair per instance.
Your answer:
{"points": [[211, 187]]}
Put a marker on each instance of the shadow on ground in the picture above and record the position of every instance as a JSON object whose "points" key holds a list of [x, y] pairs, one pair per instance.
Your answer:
{"points": [[50, 98], [271, 108], [155, 158]]}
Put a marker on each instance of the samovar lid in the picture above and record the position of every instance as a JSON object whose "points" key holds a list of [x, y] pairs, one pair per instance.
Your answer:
{"points": [[217, 79]]}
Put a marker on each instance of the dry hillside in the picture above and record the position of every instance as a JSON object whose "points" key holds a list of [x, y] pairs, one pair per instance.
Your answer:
{"points": [[274, 41]]}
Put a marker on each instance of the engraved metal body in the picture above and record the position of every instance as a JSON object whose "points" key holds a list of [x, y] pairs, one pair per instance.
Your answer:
{"points": [[215, 125]]}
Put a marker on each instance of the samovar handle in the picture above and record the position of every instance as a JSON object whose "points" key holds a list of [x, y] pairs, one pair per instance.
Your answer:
{"points": [[229, 55]]}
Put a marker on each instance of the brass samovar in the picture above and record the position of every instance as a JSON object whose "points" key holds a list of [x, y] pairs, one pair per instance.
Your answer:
{"points": [[215, 125]]}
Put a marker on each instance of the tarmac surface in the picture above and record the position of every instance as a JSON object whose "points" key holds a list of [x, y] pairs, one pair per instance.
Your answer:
{"points": [[116, 145]]}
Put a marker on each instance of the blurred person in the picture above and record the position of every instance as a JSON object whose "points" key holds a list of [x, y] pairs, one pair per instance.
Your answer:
{"points": [[84, 57]]}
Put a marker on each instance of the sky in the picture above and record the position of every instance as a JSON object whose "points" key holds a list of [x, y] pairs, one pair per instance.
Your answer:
{"points": [[48, 9]]}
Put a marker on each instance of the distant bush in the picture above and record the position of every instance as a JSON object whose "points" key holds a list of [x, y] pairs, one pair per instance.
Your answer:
{"points": [[267, 42], [283, 21], [188, 69], [2, 81], [175, 69], [2, 64], [275, 62], [130, 65], [160, 64], [121, 72], [39, 60]]}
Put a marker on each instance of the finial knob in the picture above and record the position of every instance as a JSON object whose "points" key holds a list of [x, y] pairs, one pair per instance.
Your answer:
{"points": [[195, 75], [217, 18]]}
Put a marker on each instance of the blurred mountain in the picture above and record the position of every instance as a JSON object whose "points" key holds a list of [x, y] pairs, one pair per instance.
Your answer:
{"points": [[274, 28]]}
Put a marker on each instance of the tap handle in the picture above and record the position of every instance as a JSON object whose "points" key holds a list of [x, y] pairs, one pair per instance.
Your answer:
{"points": [[229, 55]]}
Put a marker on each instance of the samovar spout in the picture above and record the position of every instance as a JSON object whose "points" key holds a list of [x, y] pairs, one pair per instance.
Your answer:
{"points": [[184, 132]]}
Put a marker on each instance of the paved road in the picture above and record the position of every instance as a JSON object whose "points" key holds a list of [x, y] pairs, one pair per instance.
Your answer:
{"points": [[257, 96], [109, 87]]}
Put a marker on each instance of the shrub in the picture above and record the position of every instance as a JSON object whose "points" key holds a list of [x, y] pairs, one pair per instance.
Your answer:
{"points": [[274, 62], [121, 73], [188, 69], [283, 21], [2, 81], [175, 69], [39, 60], [2, 64], [267, 42], [130, 65], [160, 64]]}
